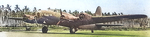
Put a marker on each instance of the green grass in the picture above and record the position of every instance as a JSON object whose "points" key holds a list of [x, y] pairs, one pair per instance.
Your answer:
{"points": [[81, 33], [97, 33]]}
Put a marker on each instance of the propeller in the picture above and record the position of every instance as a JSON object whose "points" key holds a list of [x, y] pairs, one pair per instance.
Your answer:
{"points": [[60, 17], [60, 12]]}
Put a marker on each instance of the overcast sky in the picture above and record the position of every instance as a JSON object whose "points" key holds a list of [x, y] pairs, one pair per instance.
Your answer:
{"points": [[125, 6]]}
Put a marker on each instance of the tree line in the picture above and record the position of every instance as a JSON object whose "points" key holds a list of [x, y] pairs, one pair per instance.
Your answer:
{"points": [[17, 11]]}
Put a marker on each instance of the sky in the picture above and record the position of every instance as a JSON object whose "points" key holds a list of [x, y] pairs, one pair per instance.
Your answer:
{"points": [[125, 6]]}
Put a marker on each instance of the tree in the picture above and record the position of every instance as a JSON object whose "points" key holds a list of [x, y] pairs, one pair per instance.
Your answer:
{"points": [[115, 13], [0, 11], [18, 11], [2, 7], [17, 8], [105, 14], [55, 11], [64, 11], [88, 12], [118, 13], [39, 9], [25, 9], [48, 8], [8, 7], [34, 10], [121, 13], [142, 22], [112, 13], [108, 13], [75, 12], [13, 13], [70, 12]]}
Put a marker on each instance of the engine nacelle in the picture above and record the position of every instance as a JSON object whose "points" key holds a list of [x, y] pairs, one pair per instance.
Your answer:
{"points": [[90, 27]]}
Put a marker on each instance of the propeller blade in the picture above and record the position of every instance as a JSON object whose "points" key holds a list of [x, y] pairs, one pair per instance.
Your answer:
{"points": [[60, 18], [60, 12]]}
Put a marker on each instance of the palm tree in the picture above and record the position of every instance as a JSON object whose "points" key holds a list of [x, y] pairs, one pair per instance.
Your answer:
{"points": [[8, 7], [2, 7], [105, 14], [108, 14], [75, 12], [115, 13], [25, 10], [39, 9], [88, 12], [55, 11], [48, 8], [102, 14], [121, 13], [118, 13], [13, 13], [64, 11], [70, 12], [112, 13], [17, 8], [34, 10], [0, 11]]}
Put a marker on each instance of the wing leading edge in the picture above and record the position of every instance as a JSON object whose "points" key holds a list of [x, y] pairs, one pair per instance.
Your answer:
{"points": [[117, 18]]}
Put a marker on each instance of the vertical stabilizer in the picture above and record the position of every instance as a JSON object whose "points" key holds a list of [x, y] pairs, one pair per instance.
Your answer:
{"points": [[98, 11]]}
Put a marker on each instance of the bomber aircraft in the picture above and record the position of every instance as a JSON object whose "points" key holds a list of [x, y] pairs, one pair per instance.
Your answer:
{"points": [[81, 21]]}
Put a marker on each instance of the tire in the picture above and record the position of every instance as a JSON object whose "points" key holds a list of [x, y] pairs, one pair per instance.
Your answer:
{"points": [[44, 30], [71, 31], [28, 28]]}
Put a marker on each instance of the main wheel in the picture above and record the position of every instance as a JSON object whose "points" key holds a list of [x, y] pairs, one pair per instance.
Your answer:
{"points": [[92, 31], [71, 31], [28, 28], [44, 30]]}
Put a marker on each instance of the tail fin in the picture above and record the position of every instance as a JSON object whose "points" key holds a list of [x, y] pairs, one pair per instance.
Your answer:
{"points": [[98, 11]]}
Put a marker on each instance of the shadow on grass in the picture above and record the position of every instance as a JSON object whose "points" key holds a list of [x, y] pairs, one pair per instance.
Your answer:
{"points": [[100, 33]]}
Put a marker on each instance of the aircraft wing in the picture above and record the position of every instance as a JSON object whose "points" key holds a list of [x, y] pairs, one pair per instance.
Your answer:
{"points": [[108, 24], [116, 18]]}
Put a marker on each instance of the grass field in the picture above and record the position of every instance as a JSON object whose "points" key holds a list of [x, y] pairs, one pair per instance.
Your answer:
{"points": [[85, 33], [80, 33]]}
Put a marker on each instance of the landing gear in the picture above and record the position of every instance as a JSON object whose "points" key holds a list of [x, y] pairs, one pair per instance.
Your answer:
{"points": [[44, 29], [28, 28], [72, 31], [92, 31]]}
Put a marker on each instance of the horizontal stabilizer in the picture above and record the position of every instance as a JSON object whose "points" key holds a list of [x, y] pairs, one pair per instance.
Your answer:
{"points": [[16, 18], [117, 18], [108, 24]]}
